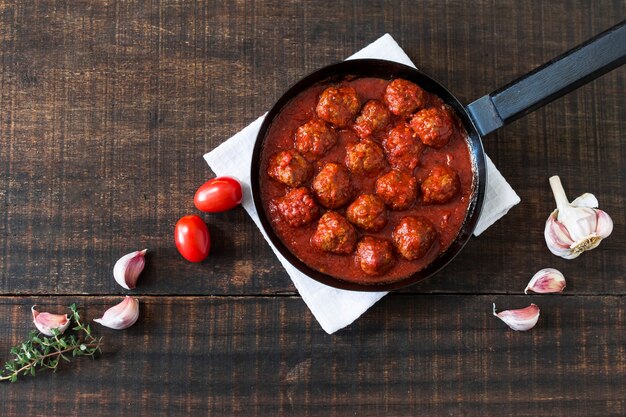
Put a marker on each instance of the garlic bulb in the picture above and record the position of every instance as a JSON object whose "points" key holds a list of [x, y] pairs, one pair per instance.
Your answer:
{"points": [[575, 227], [46, 322]]}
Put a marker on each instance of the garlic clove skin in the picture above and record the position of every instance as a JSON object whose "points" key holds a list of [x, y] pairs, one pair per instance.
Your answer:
{"points": [[127, 269], [548, 280], [46, 322], [574, 228], [604, 224], [521, 319], [558, 239], [122, 315], [586, 200]]}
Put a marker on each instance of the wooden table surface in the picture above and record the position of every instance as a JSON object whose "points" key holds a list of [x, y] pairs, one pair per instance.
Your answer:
{"points": [[106, 109]]}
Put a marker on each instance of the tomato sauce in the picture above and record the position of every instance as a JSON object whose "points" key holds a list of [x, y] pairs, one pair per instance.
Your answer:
{"points": [[448, 218]]}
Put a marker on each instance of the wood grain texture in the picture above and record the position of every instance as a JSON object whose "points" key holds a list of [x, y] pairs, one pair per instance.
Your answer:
{"points": [[106, 109], [439, 354]]}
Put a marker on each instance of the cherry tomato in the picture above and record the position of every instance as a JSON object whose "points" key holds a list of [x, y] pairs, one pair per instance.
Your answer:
{"points": [[192, 238], [218, 194]]}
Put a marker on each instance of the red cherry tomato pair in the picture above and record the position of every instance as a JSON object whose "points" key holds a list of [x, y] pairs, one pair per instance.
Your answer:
{"points": [[191, 233]]}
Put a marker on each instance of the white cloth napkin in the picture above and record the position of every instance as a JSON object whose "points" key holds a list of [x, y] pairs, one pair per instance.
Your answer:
{"points": [[334, 308]]}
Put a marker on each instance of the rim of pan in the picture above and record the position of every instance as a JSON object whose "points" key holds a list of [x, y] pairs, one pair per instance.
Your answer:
{"points": [[359, 68]]}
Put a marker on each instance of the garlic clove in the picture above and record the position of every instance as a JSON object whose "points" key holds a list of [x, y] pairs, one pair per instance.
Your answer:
{"points": [[127, 269], [574, 228], [520, 320], [604, 224], [579, 221], [558, 239], [122, 315], [46, 322], [548, 280]]}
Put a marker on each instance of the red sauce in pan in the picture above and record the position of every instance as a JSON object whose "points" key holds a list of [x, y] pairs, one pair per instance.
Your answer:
{"points": [[447, 217]]}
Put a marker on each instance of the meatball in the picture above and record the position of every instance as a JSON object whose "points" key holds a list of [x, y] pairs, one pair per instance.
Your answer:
{"points": [[375, 256], [365, 157], [334, 234], [441, 185], [402, 149], [367, 212], [404, 97], [338, 106], [434, 126], [297, 207], [374, 116], [289, 168], [314, 138], [332, 186], [398, 189], [413, 236]]}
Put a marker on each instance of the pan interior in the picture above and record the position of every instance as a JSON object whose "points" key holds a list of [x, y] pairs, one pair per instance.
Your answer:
{"points": [[385, 70]]}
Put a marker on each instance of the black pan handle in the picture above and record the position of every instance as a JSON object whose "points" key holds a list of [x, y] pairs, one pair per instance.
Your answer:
{"points": [[550, 81]]}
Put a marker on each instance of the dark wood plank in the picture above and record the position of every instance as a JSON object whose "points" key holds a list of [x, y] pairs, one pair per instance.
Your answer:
{"points": [[105, 111], [107, 108], [439, 354]]}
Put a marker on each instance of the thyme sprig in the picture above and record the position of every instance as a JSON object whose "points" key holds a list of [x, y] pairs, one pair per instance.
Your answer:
{"points": [[39, 352]]}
